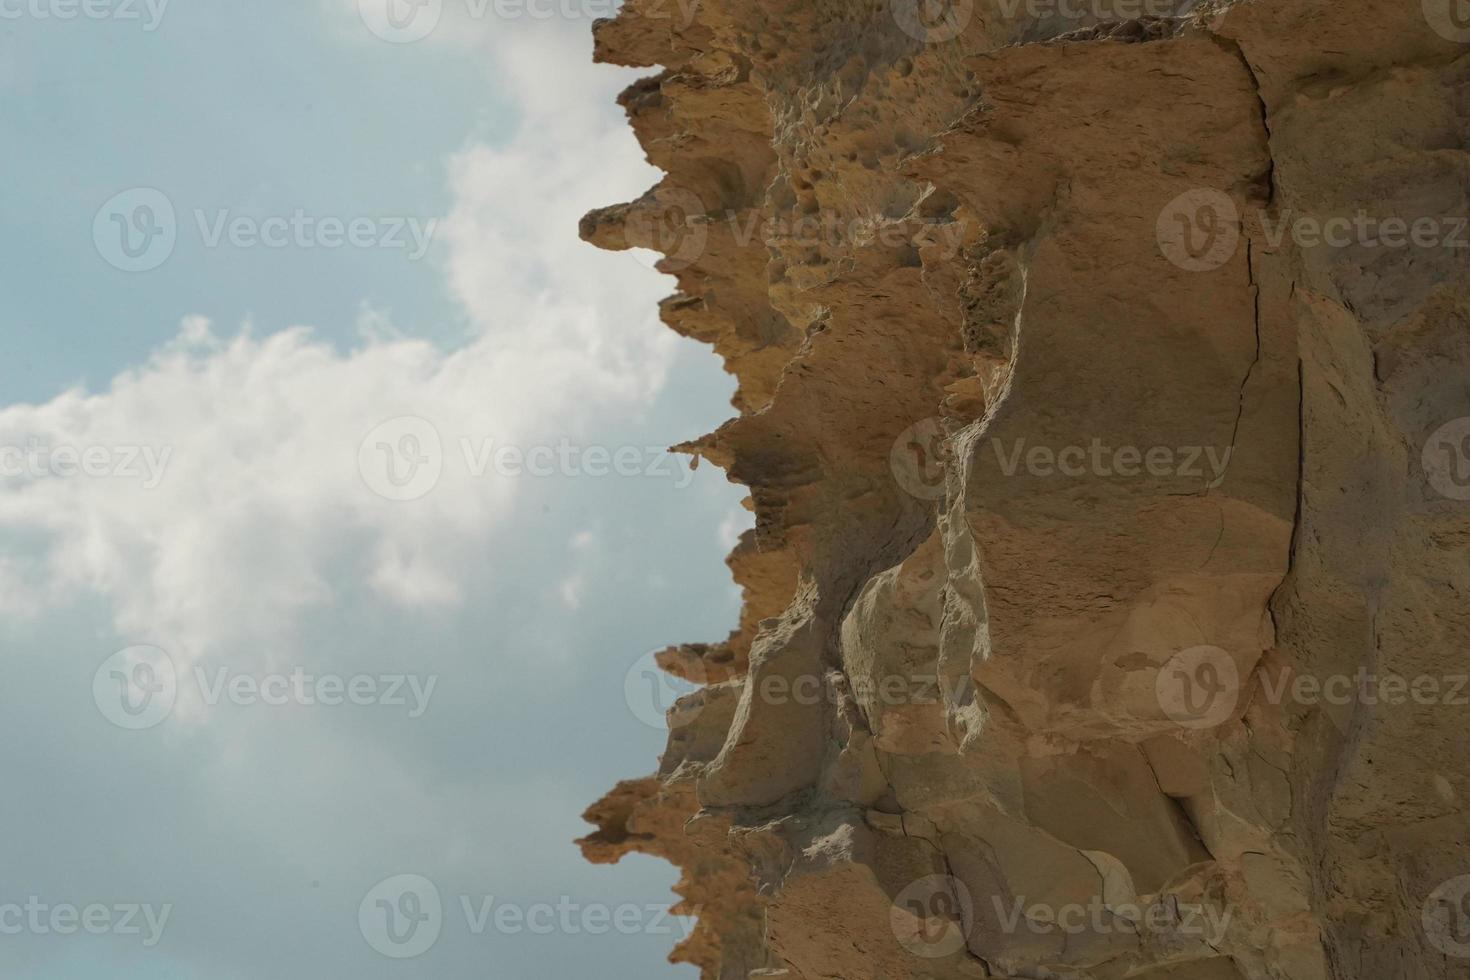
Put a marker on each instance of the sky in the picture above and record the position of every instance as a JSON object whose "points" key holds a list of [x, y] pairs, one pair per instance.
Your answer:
{"points": [[335, 521]]}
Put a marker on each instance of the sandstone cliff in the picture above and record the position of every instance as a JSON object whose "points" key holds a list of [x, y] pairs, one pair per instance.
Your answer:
{"points": [[1104, 374]]}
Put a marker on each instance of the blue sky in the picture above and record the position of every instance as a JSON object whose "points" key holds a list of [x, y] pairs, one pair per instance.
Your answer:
{"points": [[226, 107], [262, 542]]}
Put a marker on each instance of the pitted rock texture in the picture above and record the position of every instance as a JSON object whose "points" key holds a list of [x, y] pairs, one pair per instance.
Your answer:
{"points": [[1070, 449]]}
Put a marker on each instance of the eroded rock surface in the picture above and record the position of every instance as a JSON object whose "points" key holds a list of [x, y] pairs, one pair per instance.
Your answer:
{"points": [[1103, 397]]}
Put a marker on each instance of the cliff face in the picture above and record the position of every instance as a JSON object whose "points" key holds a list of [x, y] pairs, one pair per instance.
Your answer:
{"points": [[1103, 382]]}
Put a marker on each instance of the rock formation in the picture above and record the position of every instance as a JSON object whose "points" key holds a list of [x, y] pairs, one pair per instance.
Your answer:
{"points": [[1104, 403]]}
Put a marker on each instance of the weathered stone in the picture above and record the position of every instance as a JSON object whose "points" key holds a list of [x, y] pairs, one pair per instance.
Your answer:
{"points": [[1095, 434]]}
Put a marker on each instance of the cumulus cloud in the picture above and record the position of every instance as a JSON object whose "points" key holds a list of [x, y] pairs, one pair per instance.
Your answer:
{"points": [[234, 502], [264, 537]]}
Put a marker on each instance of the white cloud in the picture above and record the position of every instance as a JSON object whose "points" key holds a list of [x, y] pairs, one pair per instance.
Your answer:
{"points": [[574, 585], [262, 548], [736, 522], [261, 513]]}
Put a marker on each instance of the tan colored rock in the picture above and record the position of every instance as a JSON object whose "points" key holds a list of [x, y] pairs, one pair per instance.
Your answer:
{"points": [[1097, 440]]}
